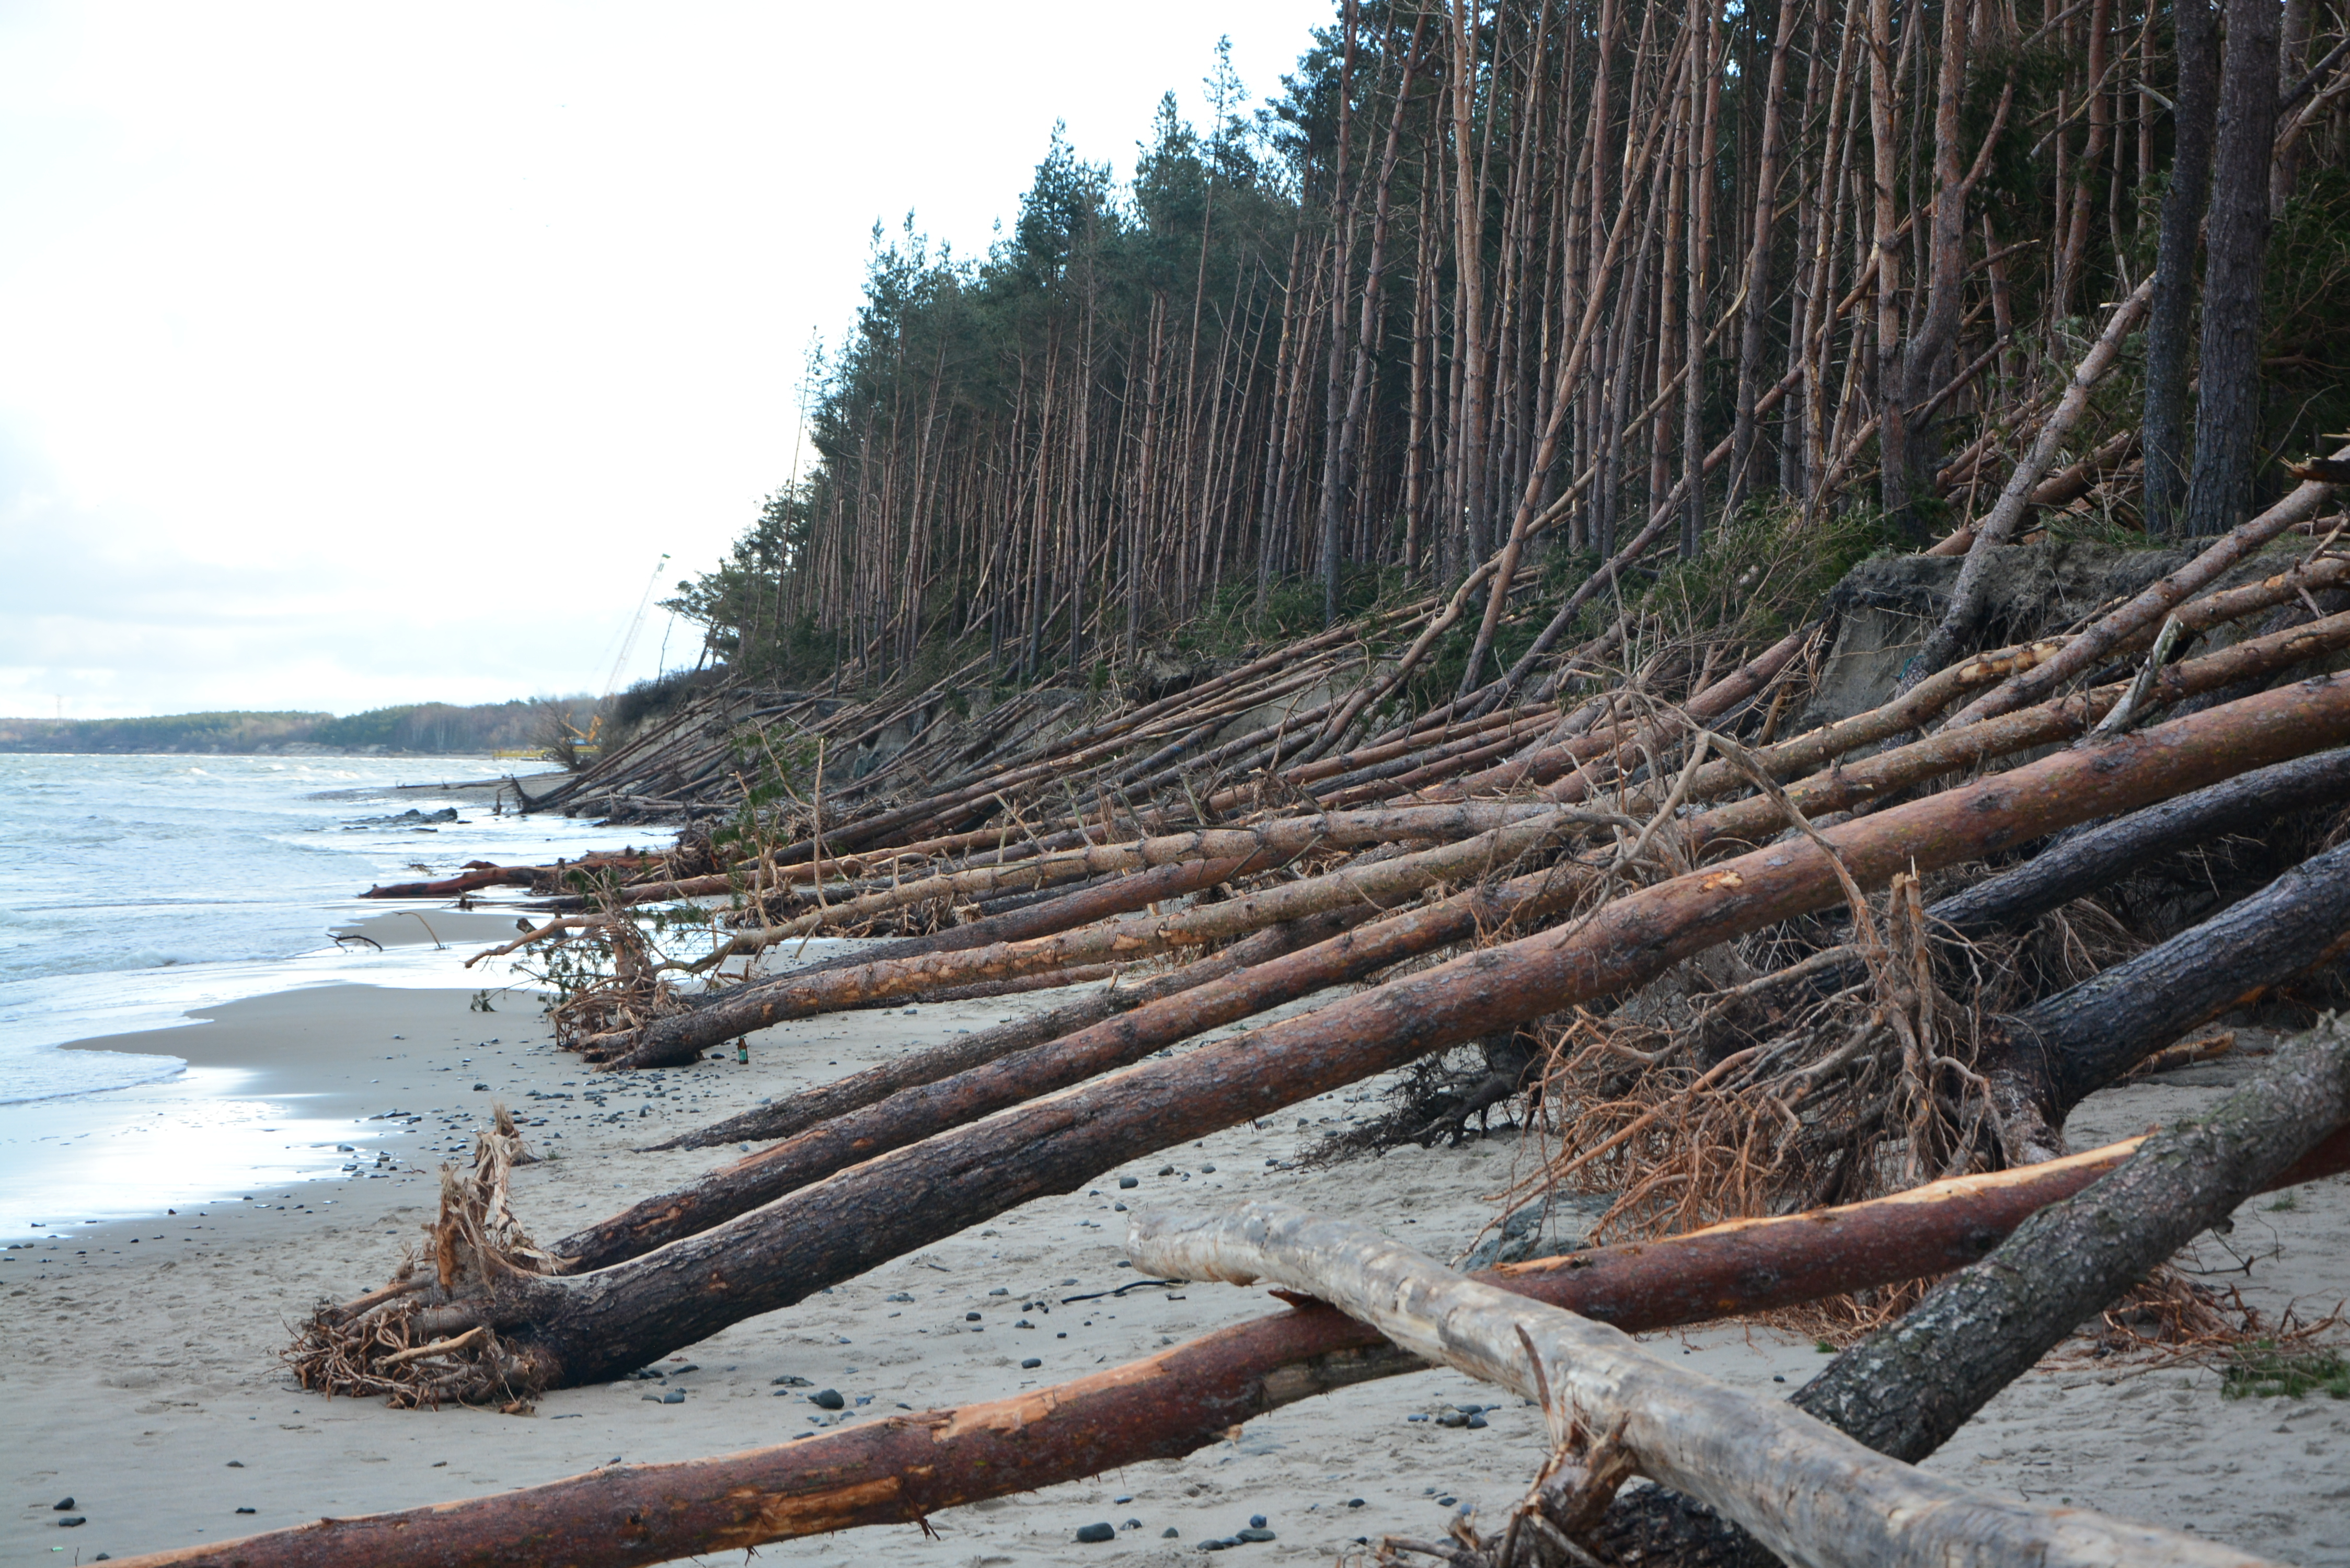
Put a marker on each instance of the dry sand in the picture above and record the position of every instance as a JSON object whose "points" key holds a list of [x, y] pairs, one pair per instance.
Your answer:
{"points": [[137, 1362]]}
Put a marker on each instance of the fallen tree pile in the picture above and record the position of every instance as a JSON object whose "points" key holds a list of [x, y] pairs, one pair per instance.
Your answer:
{"points": [[1733, 955], [903, 1469]]}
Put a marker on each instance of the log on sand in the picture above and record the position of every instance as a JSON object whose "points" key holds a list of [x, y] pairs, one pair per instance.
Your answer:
{"points": [[2039, 1063], [2048, 1058], [902, 1468], [584, 1328], [1906, 1388], [811, 1106], [1809, 1493]]}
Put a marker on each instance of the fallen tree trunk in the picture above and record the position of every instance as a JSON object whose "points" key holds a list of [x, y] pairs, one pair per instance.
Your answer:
{"points": [[1803, 1488], [808, 1107], [2046, 1060], [2140, 614], [1908, 1387], [584, 1328], [2076, 866], [1262, 843], [991, 953], [2040, 1063], [683, 1036], [903, 1469], [929, 1108]]}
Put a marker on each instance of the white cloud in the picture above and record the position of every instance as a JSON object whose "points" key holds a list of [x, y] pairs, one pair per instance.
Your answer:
{"points": [[351, 356]]}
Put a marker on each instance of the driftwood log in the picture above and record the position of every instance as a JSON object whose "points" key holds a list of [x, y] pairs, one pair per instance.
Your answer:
{"points": [[1907, 1389], [902, 1468], [1812, 1494]]}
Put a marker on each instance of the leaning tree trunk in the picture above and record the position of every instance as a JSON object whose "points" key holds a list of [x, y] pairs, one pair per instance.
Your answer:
{"points": [[2050, 1057], [1906, 1389], [1812, 1494], [564, 1331], [903, 1469], [2076, 866]]}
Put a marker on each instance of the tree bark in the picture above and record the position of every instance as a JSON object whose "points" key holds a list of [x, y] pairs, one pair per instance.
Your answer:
{"points": [[2050, 1057], [1905, 1390], [1805, 1489], [902, 1468], [2173, 312], [584, 1328], [2228, 404]]}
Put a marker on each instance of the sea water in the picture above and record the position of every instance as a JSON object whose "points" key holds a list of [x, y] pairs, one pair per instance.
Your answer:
{"points": [[134, 888]]}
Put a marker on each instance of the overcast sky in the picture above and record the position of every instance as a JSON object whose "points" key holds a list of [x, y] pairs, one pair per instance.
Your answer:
{"points": [[359, 354]]}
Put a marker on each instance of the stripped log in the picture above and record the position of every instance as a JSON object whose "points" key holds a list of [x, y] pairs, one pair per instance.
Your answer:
{"points": [[584, 1328], [903, 1469], [1908, 1387], [1810, 1493]]}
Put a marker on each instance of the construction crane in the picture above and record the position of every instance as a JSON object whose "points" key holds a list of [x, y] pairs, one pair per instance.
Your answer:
{"points": [[593, 734], [629, 639]]}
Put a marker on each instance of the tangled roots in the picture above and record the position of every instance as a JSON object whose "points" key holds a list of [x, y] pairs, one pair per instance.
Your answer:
{"points": [[412, 1343]]}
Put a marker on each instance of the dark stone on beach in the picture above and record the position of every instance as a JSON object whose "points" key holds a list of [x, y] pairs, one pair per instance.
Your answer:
{"points": [[788, 1381], [1031, 1365], [1254, 1532], [826, 1399], [482, 1087], [1207, 1170], [1171, 1533], [236, 1464], [1354, 1502], [1131, 1524], [1256, 1522], [65, 1507], [971, 1317], [248, 1511], [899, 1296], [1166, 1170], [1130, 1181], [1093, 1533], [1001, 1291], [1476, 1423], [71, 1520]]}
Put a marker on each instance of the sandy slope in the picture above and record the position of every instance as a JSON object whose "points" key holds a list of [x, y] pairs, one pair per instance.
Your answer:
{"points": [[137, 1362]]}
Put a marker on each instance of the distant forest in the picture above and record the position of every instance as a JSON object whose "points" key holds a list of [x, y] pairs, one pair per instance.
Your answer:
{"points": [[431, 728], [1550, 282]]}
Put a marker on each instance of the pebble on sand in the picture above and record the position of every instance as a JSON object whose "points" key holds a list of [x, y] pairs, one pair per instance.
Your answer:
{"points": [[826, 1399], [1031, 1364], [1092, 1532], [64, 1507]]}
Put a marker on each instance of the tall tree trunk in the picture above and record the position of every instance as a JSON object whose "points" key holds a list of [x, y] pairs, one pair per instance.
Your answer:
{"points": [[2163, 444], [2228, 410]]}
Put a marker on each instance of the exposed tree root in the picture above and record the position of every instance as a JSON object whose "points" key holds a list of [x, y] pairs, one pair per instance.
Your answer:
{"points": [[398, 1342]]}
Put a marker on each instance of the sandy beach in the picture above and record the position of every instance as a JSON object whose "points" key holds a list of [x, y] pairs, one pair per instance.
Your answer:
{"points": [[139, 1360]]}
